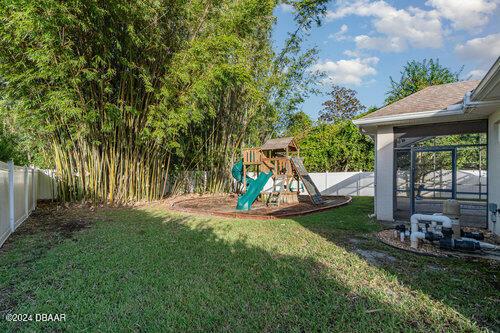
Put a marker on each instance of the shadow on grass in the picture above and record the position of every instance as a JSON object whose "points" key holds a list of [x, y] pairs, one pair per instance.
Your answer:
{"points": [[471, 287], [150, 270]]}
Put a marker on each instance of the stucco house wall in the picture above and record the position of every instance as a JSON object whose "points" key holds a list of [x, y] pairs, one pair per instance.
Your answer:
{"points": [[494, 166]]}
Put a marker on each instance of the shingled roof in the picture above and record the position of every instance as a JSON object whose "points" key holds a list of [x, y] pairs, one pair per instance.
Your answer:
{"points": [[432, 98], [280, 143]]}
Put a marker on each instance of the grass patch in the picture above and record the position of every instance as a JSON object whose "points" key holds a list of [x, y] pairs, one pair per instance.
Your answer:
{"points": [[148, 269]]}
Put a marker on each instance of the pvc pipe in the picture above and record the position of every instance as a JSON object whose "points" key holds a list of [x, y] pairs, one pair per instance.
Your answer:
{"points": [[414, 237], [416, 218], [484, 245], [402, 237]]}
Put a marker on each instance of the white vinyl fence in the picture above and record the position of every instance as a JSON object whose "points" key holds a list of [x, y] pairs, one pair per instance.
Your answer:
{"points": [[345, 183], [334, 183], [20, 188], [339, 183]]}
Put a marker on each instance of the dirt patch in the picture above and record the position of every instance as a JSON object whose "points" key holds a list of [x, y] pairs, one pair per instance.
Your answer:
{"points": [[55, 221], [356, 241], [375, 257], [224, 205], [435, 268], [64, 221]]}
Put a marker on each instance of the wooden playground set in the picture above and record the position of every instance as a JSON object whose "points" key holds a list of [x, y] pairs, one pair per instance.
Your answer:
{"points": [[279, 160], [271, 179]]}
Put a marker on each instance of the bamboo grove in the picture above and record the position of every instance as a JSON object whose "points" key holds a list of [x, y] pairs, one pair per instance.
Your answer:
{"points": [[126, 96]]}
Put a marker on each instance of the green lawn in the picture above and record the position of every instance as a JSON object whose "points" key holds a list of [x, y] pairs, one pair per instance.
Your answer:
{"points": [[148, 269]]}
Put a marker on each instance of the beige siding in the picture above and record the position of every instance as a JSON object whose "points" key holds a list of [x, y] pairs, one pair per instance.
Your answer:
{"points": [[494, 165], [384, 168]]}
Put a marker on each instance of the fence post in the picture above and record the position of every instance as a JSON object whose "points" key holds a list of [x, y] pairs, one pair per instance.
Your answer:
{"points": [[11, 196], [358, 184], [52, 184], [326, 181], [34, 186], [26, 191]]}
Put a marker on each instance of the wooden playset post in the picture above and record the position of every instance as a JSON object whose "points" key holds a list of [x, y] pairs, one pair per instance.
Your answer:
{"points": [[287, 185], [295, 176]]}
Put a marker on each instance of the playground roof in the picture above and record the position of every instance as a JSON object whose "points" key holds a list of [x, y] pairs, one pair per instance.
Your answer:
{"points": [[280, 144]]}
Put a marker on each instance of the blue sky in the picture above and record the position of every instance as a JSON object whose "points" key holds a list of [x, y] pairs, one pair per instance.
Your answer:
{"points": [[362, 43]]}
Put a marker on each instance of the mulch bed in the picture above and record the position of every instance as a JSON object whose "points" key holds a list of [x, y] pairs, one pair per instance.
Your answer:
{"points": [[224, 205], [428, 249]]}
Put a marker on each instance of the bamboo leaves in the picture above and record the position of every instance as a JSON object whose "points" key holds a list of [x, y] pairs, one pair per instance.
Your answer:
{"points": [[131, 96]]}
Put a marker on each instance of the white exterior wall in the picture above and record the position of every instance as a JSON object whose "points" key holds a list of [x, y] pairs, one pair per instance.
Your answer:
{"points": [[384, 173], [494, 166]]}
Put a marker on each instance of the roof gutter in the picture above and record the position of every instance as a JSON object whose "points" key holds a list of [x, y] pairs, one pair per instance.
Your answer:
{"points": [[468, 103], [452, 110]]}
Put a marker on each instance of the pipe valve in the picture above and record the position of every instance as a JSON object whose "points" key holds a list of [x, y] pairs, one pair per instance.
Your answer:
{"points": [[493, 208]]}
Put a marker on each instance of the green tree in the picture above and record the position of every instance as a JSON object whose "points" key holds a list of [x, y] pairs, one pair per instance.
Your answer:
{"points": [[8, 147], [124, 93], [337, 147], [371, 109], [299, 125], [468, 158], [22, 147], [416, 75], [343, 104], [294, 81]]}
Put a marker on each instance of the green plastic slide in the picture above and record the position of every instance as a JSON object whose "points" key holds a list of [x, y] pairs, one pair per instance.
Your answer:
{"points": [[254, 186]]}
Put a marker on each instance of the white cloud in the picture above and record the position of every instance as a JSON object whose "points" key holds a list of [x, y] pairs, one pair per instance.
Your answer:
{"points": [[399, 28], [351, 71], [360, 8], [340, 35], [466, 15], [392, 44], [352, 53], [484, 49], [286, 8], [476, 74]]}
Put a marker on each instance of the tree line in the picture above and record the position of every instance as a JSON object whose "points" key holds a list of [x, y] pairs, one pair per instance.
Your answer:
{"points": [[121, 97]]}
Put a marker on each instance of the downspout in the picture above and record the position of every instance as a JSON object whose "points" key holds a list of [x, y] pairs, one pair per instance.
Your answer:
{"points": [[467, 103]]}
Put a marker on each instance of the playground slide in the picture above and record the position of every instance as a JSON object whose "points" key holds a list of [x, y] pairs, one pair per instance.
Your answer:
{"points": [[311, 188], [254, 186]]}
